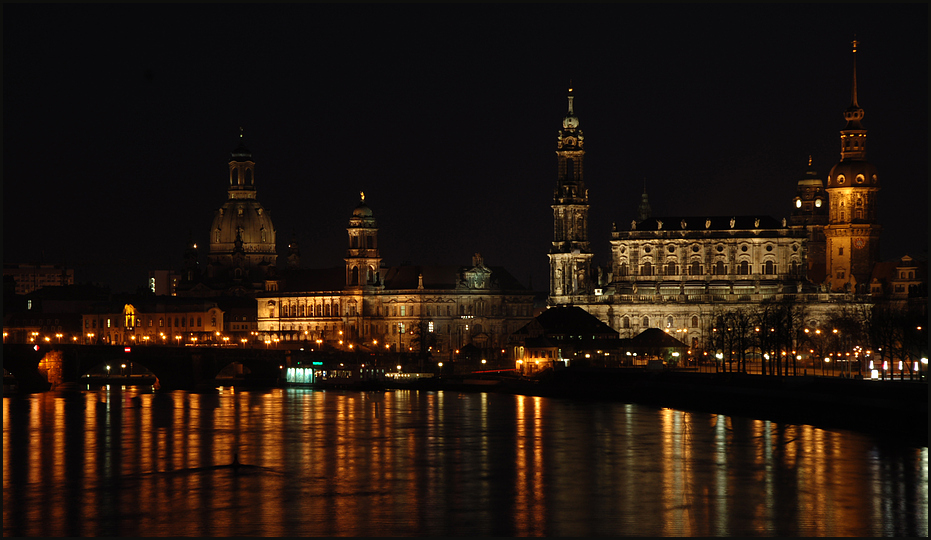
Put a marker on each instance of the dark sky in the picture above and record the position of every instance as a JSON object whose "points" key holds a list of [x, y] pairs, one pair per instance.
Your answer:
{"points": [[119, 121]]}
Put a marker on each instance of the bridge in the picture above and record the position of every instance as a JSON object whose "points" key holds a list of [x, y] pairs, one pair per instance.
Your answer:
{"points": [[42, 367]]}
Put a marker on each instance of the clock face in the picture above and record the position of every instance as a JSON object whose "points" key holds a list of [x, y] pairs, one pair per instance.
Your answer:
{"points": [[859, 243]]}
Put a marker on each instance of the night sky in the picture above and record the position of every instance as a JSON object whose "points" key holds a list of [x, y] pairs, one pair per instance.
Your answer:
{"points": [[119, 121]]}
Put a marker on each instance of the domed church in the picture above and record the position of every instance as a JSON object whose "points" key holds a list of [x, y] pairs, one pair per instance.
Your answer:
{"points": [[242, 250]]}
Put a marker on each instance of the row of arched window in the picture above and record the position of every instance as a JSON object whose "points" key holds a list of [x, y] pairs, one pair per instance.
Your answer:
{"points": [[744, 268], [670, 321], [310, 310]]}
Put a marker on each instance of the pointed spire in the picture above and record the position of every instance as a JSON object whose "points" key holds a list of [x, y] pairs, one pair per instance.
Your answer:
{"points": [[644, 211], [853, 96], [571, 112]]}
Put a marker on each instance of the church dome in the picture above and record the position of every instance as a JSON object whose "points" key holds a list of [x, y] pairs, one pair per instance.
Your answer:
{"points": [[853, 173], [241, 153], [243, 220], [362, 211]]}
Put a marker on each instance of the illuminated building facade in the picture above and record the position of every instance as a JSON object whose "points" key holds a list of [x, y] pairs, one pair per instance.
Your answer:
{"points": [[678, 272], [810, 213], [852, 232], [407, 308], [570, 255]]}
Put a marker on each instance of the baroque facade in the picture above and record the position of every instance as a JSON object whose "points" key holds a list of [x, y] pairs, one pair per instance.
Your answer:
{"points": [[408, 308], [678, 273]]}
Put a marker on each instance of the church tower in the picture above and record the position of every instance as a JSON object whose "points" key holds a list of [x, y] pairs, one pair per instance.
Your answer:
{"points": [[810, 212], [242, 237], [852, 233], [570, 255], [362, 258]]}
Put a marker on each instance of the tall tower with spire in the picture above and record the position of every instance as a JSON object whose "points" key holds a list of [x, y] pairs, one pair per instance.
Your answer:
{"points": [[852, 232], [362, 257], [570, 255]]}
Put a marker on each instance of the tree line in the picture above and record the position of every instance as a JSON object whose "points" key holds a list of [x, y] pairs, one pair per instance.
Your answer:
{"points": [[777, 333]]}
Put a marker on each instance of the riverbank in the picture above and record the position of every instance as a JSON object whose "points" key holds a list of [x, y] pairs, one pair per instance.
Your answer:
{"points": [[895, 409]]}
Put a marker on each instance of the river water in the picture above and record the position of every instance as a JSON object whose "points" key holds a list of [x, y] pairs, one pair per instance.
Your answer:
{"points": [[128, 462]]}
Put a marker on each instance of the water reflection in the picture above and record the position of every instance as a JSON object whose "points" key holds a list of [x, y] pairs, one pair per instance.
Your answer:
{"points": [[126, 462]]}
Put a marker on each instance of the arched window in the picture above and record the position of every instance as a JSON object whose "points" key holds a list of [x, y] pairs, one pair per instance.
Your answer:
{"points": [[646, 269], [769, 268], [248, 176], [354, 279], [671, 269], [370, 274], [199, 323], [695, 268], [719, 268], [625, 322], [646, 322], [353, 241], [622, 269], [326, 310], [669, 321], [744, 268], [694, 321]]}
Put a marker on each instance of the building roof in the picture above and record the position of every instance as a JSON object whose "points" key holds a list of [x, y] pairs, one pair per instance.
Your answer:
{"points": [[405, 277], [711, 223], [654, 338], [567, 322]]}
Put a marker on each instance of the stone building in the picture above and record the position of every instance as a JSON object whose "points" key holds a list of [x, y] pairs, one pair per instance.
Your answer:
{"points": [[852, 233], [677, 272], [810, 213], [242, 249], [31, 277], [408, 308]]}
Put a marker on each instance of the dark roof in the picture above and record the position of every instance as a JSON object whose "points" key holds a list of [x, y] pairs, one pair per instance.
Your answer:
{"points": [[718, 223], [434, 277], [654, 338], [404, 277], [539, 343], [573, 321], [312, 279]]}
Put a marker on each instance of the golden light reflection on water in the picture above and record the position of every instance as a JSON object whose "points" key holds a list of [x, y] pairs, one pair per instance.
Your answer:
{"points": [[118, 462]]}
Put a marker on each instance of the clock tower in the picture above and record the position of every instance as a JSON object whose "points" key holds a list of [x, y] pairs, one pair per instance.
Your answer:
{"points": [[852, 232], [570, 255]]}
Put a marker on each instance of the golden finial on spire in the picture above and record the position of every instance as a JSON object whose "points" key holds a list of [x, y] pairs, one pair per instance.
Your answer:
{"points": [[854, 43], [809, 160], [240, 132], [362, 194]]}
